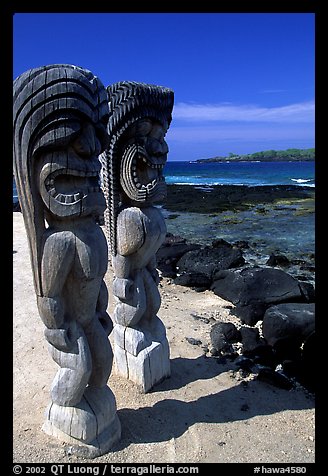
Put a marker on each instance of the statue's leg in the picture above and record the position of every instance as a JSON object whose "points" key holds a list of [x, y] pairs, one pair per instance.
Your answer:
{"points": [[130, 309], [75, 369], [101, 351], [141, 350], [86, 418], [152, 295]]}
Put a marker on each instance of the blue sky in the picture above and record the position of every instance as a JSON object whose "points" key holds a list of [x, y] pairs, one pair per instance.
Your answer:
{"points": [[243, 82]]}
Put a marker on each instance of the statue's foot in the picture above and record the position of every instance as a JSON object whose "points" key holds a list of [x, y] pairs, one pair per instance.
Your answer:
{"points": [[91, 427], [148, 368]]}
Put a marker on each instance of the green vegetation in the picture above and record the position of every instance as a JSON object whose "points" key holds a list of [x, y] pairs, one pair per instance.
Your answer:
{"points": [[267, 156]]}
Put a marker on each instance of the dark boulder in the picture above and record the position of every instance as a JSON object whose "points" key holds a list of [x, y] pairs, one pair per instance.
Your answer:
{"points": [[173, 248], [219, 242], [194, 280], [303, 368], [255, 348], [250, 314], [210, 260], [242, 244], [294, 321], [251, 340], [222, 335], [274, 378], [278, 260], [193, 341], [288, 348], [254, 285], [244, 363], [230, 285], [308, 291]]}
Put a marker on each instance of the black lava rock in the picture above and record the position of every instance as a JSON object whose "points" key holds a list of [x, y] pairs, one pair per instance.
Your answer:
{"points": [[278, 260], [274, 378], [308, 291], [209, 260], [254, 285], [198, 280], [244, 363], [173, 248], [250, 338], [193, 341], [250, 314], [288, 321], [222, 335]]}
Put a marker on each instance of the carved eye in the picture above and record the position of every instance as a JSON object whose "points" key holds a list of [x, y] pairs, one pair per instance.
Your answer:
{"points": [[157, 132], [143, 127], [81, 146]]}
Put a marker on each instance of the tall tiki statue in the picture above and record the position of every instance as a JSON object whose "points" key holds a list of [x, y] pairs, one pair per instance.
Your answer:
{"points": [[60, 119], [133, 181]]}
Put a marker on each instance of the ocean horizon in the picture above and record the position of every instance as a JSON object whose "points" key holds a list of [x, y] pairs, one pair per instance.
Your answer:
{"points": [[255, 173]]}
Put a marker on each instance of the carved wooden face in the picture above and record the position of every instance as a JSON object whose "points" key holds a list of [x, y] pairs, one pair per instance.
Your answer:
{"points": [[69, 178], [143, 159]]}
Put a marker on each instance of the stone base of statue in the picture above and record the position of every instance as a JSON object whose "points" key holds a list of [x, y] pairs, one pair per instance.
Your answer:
{"points": [[142, 354], [91, 427]]}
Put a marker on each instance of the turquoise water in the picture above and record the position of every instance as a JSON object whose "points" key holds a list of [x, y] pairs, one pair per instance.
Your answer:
{"points": [[241, 173], [281, 229]]}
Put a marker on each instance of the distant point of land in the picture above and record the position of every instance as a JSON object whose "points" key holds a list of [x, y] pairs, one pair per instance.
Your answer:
{"points": [[294, 155]]}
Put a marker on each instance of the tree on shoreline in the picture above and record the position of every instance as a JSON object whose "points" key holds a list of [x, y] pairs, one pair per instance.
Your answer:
{"points": [[267, 156]]}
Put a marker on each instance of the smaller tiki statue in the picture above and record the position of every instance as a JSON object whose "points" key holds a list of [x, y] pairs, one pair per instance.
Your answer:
{"points": [[133, 181], [60, 119]]}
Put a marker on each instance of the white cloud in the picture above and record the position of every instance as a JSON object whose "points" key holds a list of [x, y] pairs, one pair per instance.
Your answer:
{"points": [[292, 113]]}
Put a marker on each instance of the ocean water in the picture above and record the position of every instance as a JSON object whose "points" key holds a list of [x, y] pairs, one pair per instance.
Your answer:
{"points": [[241, 173]]}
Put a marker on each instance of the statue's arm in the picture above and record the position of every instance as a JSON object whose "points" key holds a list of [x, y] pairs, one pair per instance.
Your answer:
{"points": [[57, 260], [130, 231], [130, 237]]}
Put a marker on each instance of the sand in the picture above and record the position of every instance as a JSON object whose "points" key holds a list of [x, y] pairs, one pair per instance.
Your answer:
{"points": [[206, 412]]}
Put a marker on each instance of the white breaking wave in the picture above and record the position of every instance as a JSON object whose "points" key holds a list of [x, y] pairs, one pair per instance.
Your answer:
{"points": [[300, 180]]}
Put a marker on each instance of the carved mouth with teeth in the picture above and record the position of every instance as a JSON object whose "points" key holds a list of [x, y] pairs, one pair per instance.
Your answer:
{"points": [[146, 174], [68, 186], [142, 176]]}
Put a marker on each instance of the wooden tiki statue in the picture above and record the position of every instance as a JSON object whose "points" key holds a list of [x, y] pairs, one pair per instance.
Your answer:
{"points": [[60, 119], [132, 172]]}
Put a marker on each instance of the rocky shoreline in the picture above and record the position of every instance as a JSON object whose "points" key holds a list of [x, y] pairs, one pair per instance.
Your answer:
{"points": [[272, 297], [217, 198], [275, 337]]}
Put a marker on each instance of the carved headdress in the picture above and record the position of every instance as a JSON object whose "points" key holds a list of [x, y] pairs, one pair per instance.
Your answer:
{"points": [[130, 102], [51, 104]]}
